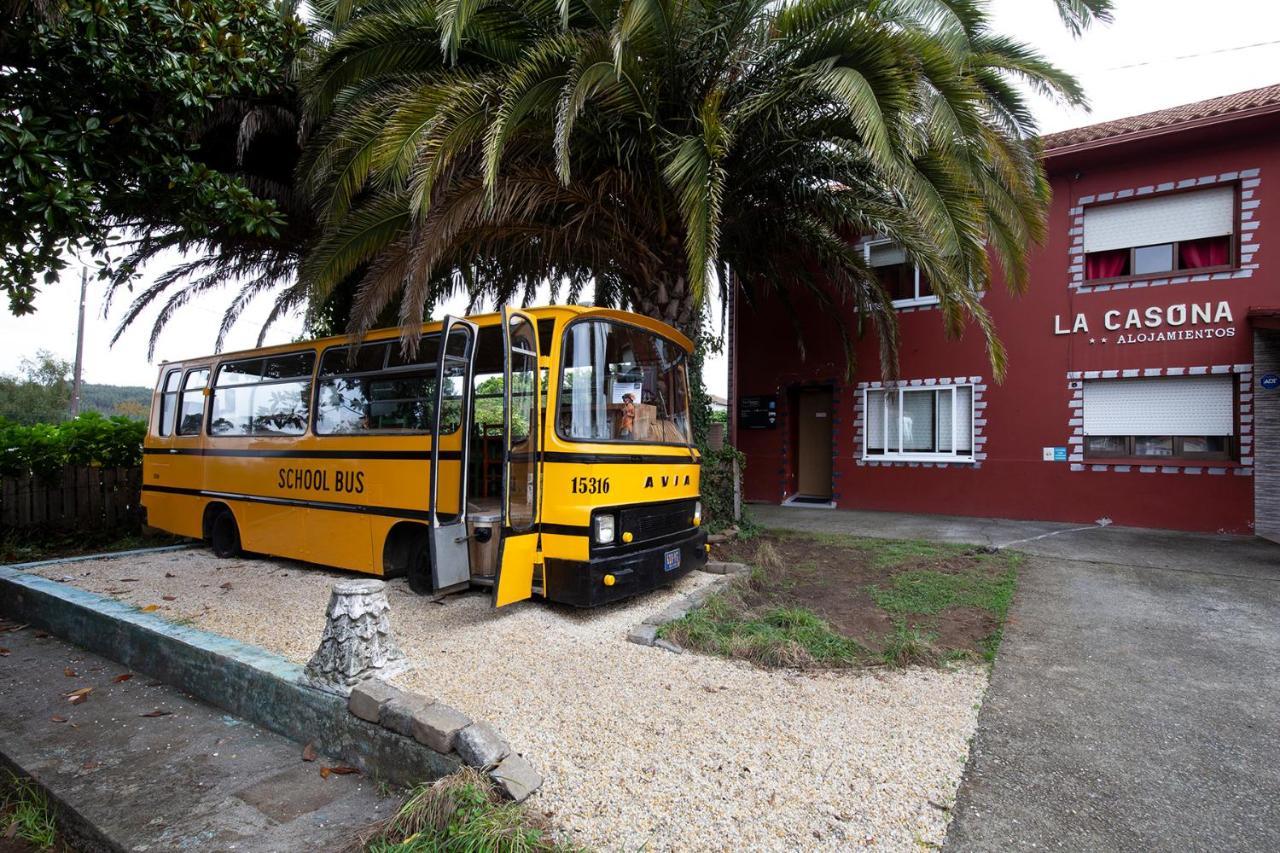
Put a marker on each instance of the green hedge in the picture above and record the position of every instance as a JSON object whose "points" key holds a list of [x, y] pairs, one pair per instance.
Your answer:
{"points": [[91, 439]]}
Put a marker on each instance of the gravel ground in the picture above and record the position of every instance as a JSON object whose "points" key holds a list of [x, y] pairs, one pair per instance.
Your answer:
{"points": [[640, 748]]}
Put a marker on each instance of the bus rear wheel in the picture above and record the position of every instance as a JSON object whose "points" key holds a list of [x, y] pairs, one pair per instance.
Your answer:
{"points": [[224, 535], [420, 566]]}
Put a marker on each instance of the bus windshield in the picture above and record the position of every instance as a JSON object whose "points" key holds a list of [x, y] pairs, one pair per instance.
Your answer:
{"points": [[622, 383]]}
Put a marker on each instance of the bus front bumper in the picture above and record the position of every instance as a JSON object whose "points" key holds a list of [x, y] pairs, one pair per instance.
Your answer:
{"points": [[584, 584]]}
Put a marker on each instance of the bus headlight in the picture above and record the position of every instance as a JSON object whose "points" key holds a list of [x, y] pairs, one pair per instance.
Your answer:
{"points": [[605, 529], [697, 513]]}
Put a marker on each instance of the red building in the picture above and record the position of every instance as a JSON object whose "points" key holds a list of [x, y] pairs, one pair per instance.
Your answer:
{"points": [[1143, 360]]}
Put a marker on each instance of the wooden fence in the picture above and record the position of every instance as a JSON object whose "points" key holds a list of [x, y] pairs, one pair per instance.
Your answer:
{"points": [[82, 498]]}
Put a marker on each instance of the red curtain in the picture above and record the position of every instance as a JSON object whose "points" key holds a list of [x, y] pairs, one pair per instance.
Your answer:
{"points": [[1106, 264], [1209, 252]]}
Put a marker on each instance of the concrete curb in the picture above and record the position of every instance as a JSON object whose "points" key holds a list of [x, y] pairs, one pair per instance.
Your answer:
{"points": [[715, 567], [243, 680], [80, 832], [646, 633]]}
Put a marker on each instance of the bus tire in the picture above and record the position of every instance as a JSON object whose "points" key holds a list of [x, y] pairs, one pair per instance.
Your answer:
{"points": [[420, 566], [224, 535]]}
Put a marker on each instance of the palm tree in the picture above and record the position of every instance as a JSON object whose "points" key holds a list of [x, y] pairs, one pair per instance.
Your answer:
{"points": [[645, 145]]}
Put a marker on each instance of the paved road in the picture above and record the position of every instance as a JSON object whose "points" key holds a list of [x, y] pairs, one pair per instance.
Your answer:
{"points": [[1135, 704]]}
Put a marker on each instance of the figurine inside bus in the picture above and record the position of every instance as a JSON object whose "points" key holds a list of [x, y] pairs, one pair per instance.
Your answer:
{"points": [[627, 423]]}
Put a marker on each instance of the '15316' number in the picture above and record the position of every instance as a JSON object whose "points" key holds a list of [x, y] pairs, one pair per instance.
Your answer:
{"points": [[590, 485]]}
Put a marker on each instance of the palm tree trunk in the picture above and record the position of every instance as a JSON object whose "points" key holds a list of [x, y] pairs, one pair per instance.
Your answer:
{"points": [[670, 299]]}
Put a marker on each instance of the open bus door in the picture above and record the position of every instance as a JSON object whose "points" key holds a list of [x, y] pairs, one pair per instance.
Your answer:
{"points": [[521, 471], [450, 563]]}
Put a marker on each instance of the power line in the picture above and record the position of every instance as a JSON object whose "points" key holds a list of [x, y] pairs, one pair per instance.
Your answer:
{"points": [[1216, 52]]}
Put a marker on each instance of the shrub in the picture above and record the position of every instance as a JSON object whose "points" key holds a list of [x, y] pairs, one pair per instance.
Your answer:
{"points": [[89, 440], [717, 485]]}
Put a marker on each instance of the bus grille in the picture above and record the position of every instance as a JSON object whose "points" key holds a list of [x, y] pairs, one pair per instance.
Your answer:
{"points": [[657, 520]]}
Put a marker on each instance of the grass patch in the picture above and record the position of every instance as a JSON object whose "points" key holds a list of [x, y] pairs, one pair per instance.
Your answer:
{"points": [[926, 592], [460, 813], [907, 645], [829, 600], [782, 636], [25, 813]]}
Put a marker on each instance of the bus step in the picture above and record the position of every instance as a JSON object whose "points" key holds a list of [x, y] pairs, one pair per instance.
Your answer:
{"points": [[444, 592]]}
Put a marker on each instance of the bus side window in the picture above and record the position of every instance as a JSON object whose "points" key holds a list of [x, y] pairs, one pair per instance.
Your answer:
{"points": [[168, 402], [191, 403], [262, 396], [377, 390]]}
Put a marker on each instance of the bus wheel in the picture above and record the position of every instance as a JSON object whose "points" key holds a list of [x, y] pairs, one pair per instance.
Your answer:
{"points": [[420, 566], [224, 535]]}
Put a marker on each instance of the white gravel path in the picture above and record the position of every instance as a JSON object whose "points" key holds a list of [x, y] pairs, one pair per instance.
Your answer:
{"points": [[640, 748]]}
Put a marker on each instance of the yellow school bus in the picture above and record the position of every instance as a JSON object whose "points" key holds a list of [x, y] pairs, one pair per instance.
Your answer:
{"points": [[545, 451]]}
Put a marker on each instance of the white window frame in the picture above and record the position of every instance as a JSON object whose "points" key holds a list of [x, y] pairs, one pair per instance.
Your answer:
{"points": [[907, 456], [931, 299]]}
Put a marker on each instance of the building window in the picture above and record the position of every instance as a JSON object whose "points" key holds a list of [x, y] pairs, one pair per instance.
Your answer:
{"points": [[1166, 418], [1176, 232], [920, 424], [902, 280]]}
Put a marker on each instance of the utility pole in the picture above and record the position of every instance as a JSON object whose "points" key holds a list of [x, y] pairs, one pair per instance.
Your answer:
{"points": [[75, 388]]}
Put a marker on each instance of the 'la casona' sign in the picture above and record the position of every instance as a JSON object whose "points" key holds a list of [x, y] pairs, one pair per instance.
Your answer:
{"points": [[1182, 322]]}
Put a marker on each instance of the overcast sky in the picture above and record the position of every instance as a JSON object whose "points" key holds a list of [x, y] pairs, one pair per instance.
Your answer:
{"points": [[1158, 53]]}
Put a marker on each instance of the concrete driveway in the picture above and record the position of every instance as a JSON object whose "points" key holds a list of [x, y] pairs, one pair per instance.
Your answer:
{"points": [[1135, 704]]}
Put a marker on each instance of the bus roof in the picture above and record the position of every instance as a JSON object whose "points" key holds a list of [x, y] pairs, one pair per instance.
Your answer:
{"points": [[486, 319]]}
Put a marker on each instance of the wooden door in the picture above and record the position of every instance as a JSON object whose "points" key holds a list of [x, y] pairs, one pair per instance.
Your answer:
{"points": [[814, 451]]}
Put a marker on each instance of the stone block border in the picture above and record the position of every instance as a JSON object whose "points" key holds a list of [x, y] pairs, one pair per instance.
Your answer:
{"points": [[399, 737], [446, 731], [646, 633], [714, 567]]}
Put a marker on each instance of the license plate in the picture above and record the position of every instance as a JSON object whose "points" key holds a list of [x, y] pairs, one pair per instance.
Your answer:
{"points": [[671, 560]]}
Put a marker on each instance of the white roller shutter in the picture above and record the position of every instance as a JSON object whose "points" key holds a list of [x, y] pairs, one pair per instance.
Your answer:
{"points": [[1163, 219], [1181, 405]]}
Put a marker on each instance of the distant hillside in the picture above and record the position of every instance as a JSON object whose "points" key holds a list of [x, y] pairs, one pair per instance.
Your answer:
{"points": [[108, 399]]}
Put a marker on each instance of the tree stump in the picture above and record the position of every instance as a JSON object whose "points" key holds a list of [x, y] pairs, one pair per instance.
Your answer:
{"points": [[357, 642]]}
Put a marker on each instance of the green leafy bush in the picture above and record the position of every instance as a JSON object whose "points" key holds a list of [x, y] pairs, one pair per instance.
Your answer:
{"points": [[90, 440]]}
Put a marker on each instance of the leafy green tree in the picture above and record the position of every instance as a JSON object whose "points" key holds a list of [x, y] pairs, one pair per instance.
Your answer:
{"points": [[131, 400], [642, 146], [132, 128], [39, 393], [134, 409]]}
